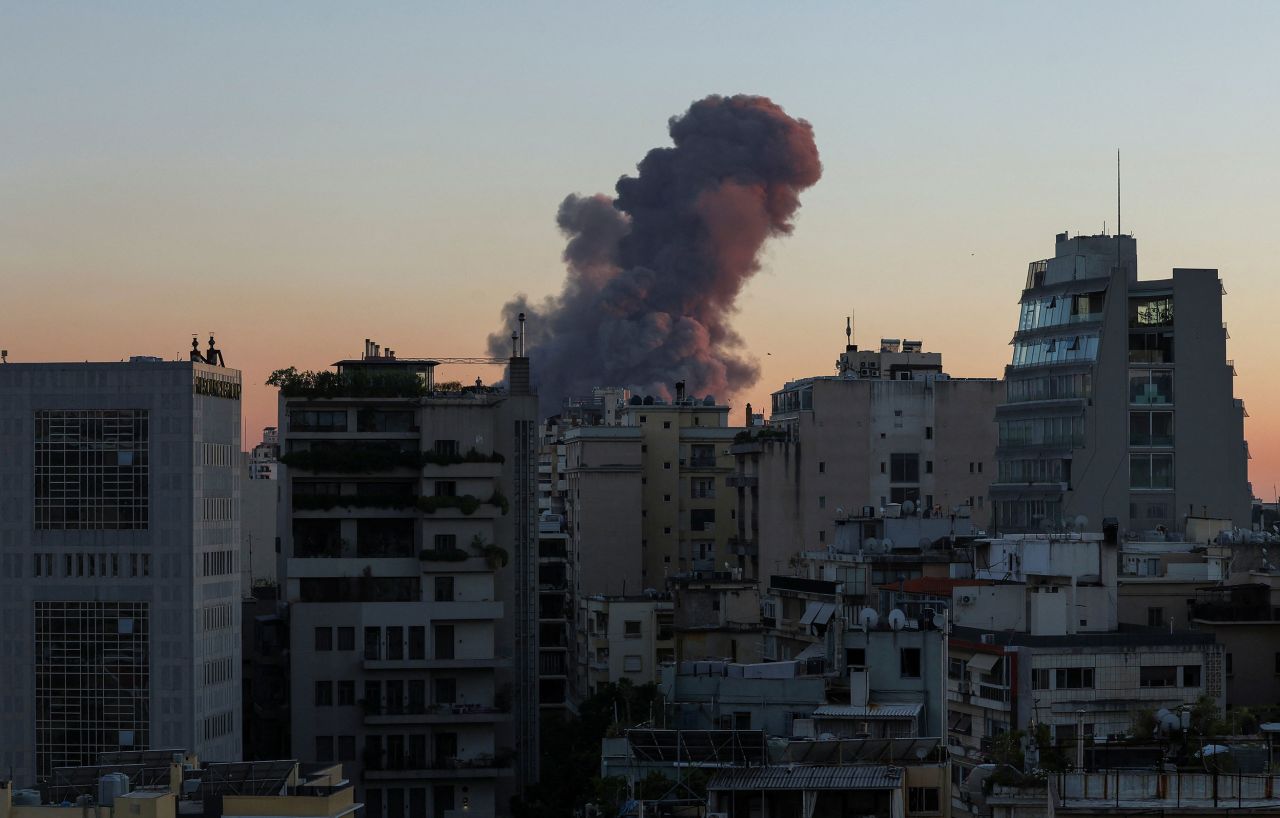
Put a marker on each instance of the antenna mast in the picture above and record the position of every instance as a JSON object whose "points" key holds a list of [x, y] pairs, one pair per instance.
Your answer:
{"points": [[1118, 230]]}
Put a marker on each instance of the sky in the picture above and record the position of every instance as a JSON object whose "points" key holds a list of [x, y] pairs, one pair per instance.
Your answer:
{"points": [[300, 176]]}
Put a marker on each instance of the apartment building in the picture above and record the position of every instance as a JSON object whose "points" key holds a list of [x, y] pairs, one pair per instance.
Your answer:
{"points": [[559, 673], [891, 430], [651, 488], [1119, 398], [629, 637], [409, 521], [119, 574], [264, 457]]}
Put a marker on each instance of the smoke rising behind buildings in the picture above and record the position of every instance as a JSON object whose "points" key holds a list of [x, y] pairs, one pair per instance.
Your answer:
{"points": [[655, 272]]}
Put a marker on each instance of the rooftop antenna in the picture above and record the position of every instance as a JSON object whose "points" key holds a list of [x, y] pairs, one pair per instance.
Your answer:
{"points": [[1118, 230], [848, 331]]}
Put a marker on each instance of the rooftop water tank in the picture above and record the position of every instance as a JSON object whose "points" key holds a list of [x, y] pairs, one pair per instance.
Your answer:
{"points": [[26, 798], [110, 786]]}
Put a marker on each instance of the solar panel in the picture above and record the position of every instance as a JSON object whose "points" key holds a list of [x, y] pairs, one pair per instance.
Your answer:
{"points": [[246, 777], [68, 782]]}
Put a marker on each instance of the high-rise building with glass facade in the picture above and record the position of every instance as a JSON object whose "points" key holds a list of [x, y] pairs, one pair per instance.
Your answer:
{"points": [[119, 542], [1119, 398]]}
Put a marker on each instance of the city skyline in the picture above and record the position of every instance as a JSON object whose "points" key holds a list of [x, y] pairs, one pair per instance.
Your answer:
{"points": [[297, 194]]}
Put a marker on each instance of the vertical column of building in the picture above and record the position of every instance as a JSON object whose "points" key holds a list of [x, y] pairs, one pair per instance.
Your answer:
{"points": [[525, 566]]}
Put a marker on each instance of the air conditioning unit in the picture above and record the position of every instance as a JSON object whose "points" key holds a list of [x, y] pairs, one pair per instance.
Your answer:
{"points": [[965, 599], [988, 638]]}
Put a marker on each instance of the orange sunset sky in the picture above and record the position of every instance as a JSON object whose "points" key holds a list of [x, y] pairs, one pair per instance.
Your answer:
{"points": [[301, 176]]}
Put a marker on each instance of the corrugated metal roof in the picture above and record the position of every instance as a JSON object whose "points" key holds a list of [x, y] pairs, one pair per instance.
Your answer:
{"points": [[871, 711], [835, 777]]}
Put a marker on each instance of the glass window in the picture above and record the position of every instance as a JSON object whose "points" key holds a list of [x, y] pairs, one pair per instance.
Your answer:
{"points": [[346, 638], [1150, 428], [1151, 311], [904, 467], [324, 639], [91, 469], [1151, 387], [417, 642], [909, 663], [1150, 471]]}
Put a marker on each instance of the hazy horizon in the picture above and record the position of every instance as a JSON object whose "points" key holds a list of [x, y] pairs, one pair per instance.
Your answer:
{"points": [[300, 176]]}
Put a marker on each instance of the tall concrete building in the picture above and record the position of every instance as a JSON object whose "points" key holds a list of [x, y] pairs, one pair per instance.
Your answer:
{"points": [[1119, 397], [890, 428], [647, 499], [119, 561], [410, 527]]}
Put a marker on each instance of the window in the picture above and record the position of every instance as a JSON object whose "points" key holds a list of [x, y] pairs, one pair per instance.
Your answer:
{"points": [[324, 748], [632, 664], [387, 420], [1073, 678], [666, 424], [822, 501], [417, 642], [1155, 617], [445, 542], [447, 448], [324, 639], [1191, 674], [1151, 387], [446, 690], [446, 488], [631, 628], [324, 694], [443, 641], [702, 519], [855, 657], [1150, 471], [1151, 428], [923, 799], [928, 433], [1227, 662], [346, 638], [395, 642], [444, 589], [644, 418], [822, 467], [955, 669], [346, 748], [666, 498], [1040, 678], [91, 469], [346, 693], [1158, 676], [702, 488], [372, 643], [904, 468], [909, 663], [928, 467]]}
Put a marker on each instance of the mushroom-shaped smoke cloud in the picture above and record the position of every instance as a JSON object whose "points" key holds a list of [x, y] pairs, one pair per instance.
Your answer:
{"points": [[654, 274]]}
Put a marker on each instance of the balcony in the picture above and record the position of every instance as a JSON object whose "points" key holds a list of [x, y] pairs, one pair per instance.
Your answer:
{"points": [[381, 716], [466, 663], [740, 481], [406, 768], [701, 462]]}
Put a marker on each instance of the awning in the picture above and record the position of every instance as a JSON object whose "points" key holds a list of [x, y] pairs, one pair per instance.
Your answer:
{"points": [[983, 662], [870, 711], [810, 611], [817, 613], [824, 613]]}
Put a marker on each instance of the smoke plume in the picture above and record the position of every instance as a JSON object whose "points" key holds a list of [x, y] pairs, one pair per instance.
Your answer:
{"points": [[655, 272]]}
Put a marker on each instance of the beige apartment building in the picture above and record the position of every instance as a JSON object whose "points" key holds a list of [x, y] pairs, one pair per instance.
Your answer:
{"points": [[890, 431], [648, 499]]}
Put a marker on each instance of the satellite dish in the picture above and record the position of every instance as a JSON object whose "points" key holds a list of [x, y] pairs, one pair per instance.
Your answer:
{"points": [[1162, 712], [1082, 522], [908, 507], [1170, 723], [897, 619], [871, 542], [939, 621], [887, 543], [868, 618]]}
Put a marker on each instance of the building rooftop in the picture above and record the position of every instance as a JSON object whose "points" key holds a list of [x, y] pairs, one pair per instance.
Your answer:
{"points": [[1125, 636], [836, 777]]}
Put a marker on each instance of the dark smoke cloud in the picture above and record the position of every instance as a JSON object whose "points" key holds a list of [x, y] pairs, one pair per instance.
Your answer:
{"points": [[654, 273]]}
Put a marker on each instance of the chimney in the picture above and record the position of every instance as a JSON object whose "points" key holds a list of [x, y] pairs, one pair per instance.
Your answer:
{"points": [[679, 392], [521, 352], [368, 345], [748, 414]]}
